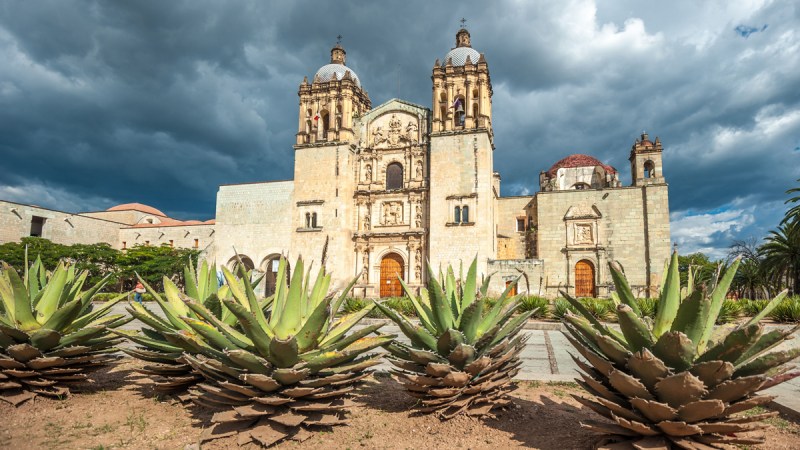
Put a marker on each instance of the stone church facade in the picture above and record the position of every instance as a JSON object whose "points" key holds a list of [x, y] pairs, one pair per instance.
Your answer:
{"points": [[384, 190]]}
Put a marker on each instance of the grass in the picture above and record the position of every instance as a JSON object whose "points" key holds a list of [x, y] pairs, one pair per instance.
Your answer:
{"points": [[787, 311]]}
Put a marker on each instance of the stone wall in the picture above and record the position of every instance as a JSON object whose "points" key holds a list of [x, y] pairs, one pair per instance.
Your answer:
{"points": [[529, 271], [628, 224], [253, 218], [200, 237], [59, 227], [510, 239]]}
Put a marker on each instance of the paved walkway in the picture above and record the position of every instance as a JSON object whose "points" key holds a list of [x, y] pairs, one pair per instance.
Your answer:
{"points": [[547, 358]]}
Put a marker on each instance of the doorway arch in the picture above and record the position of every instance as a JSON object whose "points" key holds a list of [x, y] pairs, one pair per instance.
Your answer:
{"points": [[584, 279], [392, 267], [270, 269], [233, 263]]}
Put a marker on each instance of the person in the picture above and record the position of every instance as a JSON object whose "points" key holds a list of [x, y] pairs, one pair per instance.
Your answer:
{"points": [[138, 291]]}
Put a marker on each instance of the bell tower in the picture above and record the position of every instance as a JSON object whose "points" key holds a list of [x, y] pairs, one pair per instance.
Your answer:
{"points": [[645, 161], [462, 89], [330, 102]]}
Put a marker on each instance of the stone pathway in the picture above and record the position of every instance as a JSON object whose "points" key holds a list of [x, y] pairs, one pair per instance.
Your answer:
{"points": [[547, 358]]}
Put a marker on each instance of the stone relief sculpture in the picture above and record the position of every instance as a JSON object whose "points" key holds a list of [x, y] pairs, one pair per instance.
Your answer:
{"points": [[418, 217], [368, 173], [378, 136], [367, 221], [583, 234], [419, 169], [365, 270], [392, 213], [395, 136], [411, 130]]}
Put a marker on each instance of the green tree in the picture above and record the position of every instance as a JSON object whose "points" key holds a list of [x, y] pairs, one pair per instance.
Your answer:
{"points": [[704, 268], [51, 253], [99, 259], [793, 214], [154, 263], [781, 253], [750, 280]]}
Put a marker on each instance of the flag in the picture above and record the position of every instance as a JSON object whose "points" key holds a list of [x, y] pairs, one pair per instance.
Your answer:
{"points": [[316, 116], [456, 103]]}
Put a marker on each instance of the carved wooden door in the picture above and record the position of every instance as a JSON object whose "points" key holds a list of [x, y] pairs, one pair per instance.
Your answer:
{"points": [[584, 279], [391, 269]]}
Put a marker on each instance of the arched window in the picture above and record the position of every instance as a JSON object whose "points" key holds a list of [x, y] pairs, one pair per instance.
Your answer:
{"points": [[649, 169], [338, 123], [465, 214], [581, 186], [308, 220], [457, 215], [313, 220], [325, 124], [394, 176], [459, 111], [475, 114]]}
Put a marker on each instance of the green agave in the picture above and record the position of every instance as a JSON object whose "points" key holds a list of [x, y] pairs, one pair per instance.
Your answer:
{"points": [[288, 370], [463, 354], [677, 381], [50, 333], [170, 373]]}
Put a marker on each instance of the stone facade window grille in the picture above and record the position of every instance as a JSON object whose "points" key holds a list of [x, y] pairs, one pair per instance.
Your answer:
{"points": [[520, 224], [465, 214], [457, 215], [308, 220], [313, 220]]}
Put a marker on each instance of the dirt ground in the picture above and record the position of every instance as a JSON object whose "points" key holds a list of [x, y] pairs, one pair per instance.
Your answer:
{"points": [[120, 411]]}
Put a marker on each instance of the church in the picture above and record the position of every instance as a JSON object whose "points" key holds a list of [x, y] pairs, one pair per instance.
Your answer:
{"points": [[383, 190]]}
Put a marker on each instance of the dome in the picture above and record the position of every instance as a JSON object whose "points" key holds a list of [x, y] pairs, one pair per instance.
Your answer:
{"points": [[459, 55], [325, 72], [137, 207], [578, 160]]}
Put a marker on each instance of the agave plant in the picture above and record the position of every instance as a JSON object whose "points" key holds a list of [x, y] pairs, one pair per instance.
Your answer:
{"points": [[170, 373], [50, 334], [463, 355], [288, 370], [677, 381]]}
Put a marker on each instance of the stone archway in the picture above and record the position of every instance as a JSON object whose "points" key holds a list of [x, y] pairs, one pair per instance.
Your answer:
{"points": [[584, 279], [392, 267], [233, 263], [270, 269]]}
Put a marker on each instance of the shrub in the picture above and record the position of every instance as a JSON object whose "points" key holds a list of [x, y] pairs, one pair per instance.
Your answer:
{"points": [[106, 296], [354, 304], [753, 307], [533, 302], [602, 309], [787, 311], [648, 306], [560, 308], [731, 310], [402, 305]]}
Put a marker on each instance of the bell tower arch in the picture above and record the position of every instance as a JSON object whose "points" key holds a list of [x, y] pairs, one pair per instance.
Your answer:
{"points": [[645, 161], [330, 102], [462, 89]]}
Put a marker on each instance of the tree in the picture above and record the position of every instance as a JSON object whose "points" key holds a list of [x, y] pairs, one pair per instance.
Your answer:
{"points": [[750, 280], [99, 259], [704, 268], [781, 253], [793, 214], [154, 263], [51, 253]]}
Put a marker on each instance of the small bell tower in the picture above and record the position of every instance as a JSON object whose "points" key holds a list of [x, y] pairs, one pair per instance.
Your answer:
{"points": [[331, 101], [645, 161], [462, 89]]}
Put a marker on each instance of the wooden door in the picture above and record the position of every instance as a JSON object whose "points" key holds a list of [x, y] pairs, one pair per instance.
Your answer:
{"points": [[584, 279], [513, 290], [391, 269]]}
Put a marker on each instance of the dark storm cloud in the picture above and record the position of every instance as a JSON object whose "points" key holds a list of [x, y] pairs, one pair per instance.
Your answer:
{"points": [[159, 102]]}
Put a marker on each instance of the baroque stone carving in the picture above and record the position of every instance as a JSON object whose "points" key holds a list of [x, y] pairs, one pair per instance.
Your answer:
{"points": [[368, 173], [392, 213], [584, 234], [395, 137], [419, 169]]}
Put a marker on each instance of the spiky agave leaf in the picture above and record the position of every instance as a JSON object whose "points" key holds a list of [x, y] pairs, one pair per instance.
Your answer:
{"points": [[679, 382], [50, 334], [463, 354], [284, 373], [165, 363]]}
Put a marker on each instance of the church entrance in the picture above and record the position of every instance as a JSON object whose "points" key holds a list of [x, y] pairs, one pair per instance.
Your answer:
{"points": [[391, 269], [584, 279]]}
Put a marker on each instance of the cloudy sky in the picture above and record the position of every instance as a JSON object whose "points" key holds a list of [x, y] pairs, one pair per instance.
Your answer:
{"points": [[159, 102]]}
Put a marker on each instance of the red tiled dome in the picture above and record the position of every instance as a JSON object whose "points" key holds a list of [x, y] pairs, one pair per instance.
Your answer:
{"points": [[578, 160], [137, 207]]}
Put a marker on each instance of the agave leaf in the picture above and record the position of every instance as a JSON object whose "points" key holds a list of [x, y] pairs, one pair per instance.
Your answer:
{"points": [[259, 336], [623, 291], [680, 389], [55, 288], [171, 314], [423, 311], [61, 317], [344, 342], [252, 300], [602, 329], [249, 361], [145, 315], [648, 368], [419, 336], [670, 299], [717, 299], [45, 339], [313, 327], [448, 341], [190, 282], [675, 349], [768, 309], [766, 362], [469, 289], [211, 334], [237, 338], [734, 345], [23, 315], [692, 317], [766, 342], [172, 294], [284, 352], [7, 295], [289, 321], [712, 372], [471, 319], [512, 326], [96, 313], [636, 332], [343, 325], [343, 296], [440, 304]]}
